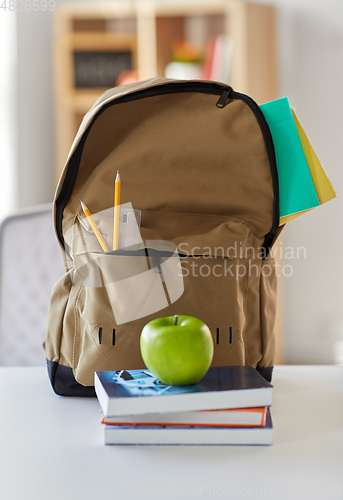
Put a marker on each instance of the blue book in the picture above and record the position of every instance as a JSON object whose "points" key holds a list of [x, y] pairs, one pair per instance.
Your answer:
{"points": [[137, 392], [189, 434]]}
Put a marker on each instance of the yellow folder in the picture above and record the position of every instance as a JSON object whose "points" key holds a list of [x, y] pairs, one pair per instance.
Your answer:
{"points": [[324, 188]]}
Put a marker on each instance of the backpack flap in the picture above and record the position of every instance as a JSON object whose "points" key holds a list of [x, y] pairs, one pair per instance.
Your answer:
{"points": [[176, 152]]}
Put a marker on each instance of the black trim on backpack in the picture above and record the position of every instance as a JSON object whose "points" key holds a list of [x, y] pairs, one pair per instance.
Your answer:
{"points": [[64, 384], [268, 140], [266, 372], [170, 88], [63, 381]]}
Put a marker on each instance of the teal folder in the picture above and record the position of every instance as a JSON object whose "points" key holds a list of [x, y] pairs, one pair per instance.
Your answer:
{"points": [[296, 188]]}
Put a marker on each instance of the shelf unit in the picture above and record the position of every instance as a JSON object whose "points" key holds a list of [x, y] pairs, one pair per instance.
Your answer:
{"points": [[148, 29]]}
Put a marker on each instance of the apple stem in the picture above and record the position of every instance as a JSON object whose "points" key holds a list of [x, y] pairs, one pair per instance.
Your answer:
{"points": [[175, 319]]}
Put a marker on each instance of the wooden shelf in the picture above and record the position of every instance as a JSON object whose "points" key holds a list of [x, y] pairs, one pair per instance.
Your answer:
{"points": [[147, 30]]}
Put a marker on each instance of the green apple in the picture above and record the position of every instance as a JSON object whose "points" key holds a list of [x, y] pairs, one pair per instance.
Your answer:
{"points": [[178, 350]]}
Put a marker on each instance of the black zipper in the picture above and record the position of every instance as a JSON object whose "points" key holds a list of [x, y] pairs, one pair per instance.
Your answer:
{"points": [[221, 103], [170, 88], [148, 252]]}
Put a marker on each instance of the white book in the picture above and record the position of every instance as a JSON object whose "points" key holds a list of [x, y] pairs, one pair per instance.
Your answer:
{"points": [[222, 59], [189, 435]]}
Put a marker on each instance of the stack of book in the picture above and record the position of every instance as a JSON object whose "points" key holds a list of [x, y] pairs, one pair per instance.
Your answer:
{"points": [[229, 406]]}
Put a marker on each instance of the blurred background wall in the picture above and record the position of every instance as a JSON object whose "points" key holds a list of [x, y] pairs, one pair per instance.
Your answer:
{"points": [[310, 51]]}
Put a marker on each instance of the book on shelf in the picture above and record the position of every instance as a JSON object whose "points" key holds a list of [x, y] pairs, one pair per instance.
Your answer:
{"points": [[208, 63], [189, 435], [243, 417], [135, 392], [218, 59]]}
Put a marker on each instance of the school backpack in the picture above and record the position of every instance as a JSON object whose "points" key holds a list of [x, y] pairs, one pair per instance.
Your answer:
{"points": [[196, 158]]}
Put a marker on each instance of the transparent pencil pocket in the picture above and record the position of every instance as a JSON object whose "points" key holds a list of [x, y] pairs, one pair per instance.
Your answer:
{"points": [[133, 277], [81, 239]]}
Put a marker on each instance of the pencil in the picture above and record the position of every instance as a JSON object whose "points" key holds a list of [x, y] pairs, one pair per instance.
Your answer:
{"points": [[117, 185], [94, 227]]}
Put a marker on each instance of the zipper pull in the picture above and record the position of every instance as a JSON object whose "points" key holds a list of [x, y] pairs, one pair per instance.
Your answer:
{"points": [[156, 264], [226, 91]]}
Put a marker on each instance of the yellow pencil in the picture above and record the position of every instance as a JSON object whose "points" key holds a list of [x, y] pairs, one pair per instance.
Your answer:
{"points": [[117, 185], [94, 227]]}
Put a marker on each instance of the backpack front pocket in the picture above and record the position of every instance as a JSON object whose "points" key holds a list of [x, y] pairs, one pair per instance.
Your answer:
{"points": [[200, 275], [214, 291]]}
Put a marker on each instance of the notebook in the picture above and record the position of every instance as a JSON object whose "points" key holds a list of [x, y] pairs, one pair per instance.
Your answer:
{"points": [[296, 187]]}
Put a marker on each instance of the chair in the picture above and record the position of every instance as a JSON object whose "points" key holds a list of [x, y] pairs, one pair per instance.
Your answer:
{"points": [[30, 263]]}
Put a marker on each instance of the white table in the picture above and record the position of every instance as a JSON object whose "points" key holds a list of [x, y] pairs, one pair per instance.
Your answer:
{"points": [[51, 447]]}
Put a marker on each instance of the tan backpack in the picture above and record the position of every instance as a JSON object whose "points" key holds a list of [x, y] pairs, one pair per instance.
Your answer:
{"points": [[197, 159]]}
